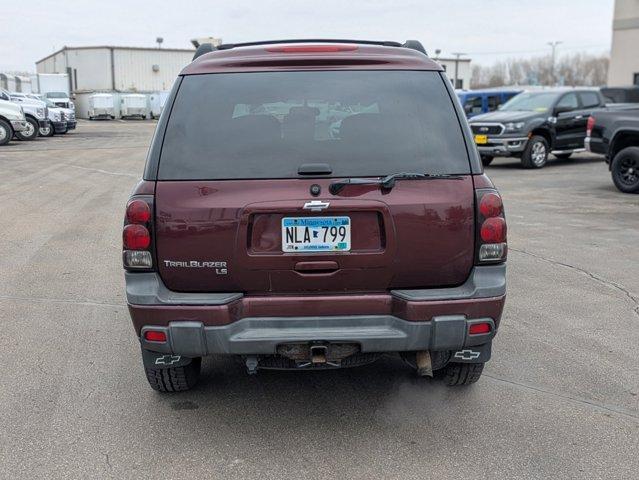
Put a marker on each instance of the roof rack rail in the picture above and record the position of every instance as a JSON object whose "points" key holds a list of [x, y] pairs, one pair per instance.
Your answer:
{"points": [[207, 47]]}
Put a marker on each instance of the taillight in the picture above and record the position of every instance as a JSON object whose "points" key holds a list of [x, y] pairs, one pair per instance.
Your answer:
{"points": [[138, 211], [590, 125], [491, 227], [136, 237], [136, 234]]}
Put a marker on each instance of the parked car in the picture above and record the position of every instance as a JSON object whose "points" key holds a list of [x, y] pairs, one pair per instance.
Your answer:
{"points": [[101, 106], [535, 123], [35, 113], [12, 120], [269, 239], [476, 102], [133, 105], [614, 133], [621, 94]]}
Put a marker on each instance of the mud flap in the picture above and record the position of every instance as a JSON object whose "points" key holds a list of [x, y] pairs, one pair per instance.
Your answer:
{"points": [[475, 354], [163, 360]]}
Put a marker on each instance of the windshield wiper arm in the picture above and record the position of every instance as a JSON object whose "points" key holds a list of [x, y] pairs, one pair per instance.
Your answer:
{"points": [[388, 181]]}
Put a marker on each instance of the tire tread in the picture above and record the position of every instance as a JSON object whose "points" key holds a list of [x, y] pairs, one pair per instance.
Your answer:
{"points": [[457, 374]]}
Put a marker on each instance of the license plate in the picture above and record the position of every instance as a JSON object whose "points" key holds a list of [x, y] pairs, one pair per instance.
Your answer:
{"points": [[481, 139], [316, 234]]}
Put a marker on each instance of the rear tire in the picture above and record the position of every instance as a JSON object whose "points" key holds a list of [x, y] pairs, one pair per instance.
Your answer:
{"points": [[6, 132], [535, 154], [32, 130], [178, 379], [563, 156], [625, 170], [486, 160], [457, 374]]}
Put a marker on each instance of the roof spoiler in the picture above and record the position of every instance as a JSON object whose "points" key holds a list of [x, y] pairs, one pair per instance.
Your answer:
{"points": [[208, 47]]}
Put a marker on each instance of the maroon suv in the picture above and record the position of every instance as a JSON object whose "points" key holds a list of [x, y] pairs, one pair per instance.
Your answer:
{"points": [[314, 204]]}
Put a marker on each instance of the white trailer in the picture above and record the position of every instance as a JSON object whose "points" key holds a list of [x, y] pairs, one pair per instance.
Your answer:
{"points": [[133, 105], [157, 101], [101, 105]]}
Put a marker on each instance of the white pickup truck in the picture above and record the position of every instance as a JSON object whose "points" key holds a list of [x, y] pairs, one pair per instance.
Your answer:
{"points": [[12, 120], [35, 112]]}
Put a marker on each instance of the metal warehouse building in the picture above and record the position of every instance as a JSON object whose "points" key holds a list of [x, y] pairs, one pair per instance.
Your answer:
{"points": [[624, 60], [117, 69]]}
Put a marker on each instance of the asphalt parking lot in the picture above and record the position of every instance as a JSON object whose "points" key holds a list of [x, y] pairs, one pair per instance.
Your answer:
{"points": [[560, 398]]}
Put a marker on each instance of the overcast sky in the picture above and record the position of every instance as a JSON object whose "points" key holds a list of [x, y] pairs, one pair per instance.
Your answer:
{"points": [[487, 30]]}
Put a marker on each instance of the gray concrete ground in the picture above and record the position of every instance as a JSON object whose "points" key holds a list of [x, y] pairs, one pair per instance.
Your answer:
{"points": [[560, 399]]}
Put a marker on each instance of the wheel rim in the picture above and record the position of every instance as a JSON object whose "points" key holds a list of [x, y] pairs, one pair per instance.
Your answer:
{"points": [[3, 133], [538, 153], [29, 130], [629, 171], [45, 131]]}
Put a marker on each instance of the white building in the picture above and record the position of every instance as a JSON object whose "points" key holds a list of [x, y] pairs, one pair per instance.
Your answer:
{"points": [[624, 60], [463, 70], [118, 69], [15, 83]]}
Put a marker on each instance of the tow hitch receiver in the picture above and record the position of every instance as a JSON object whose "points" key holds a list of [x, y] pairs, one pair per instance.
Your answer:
{"points": [[318, 354]]}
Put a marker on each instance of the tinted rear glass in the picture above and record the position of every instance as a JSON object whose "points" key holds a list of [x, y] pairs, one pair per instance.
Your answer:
{"points": [[265, 125]]}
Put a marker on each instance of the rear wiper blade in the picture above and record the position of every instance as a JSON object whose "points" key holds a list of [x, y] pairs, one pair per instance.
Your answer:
{"points": [[388, 181]]}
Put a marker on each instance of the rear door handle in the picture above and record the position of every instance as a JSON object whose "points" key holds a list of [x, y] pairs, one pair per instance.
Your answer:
{"points": [[316, 267], [579, 117]]}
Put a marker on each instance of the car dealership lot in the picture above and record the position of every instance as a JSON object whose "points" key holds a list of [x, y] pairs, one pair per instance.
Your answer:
{"points": [[560, 397]]}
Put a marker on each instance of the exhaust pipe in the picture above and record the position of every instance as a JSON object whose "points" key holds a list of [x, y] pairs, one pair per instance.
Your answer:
{"points": [[424, 364]]}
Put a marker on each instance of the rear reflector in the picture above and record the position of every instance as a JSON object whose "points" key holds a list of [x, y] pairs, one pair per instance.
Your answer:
{"points": [[312, 48], [155, 336], [136, 237], [479, 328], [137, 259]]}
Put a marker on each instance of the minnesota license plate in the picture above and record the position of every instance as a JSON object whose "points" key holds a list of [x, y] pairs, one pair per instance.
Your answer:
{"points": [[316, 234], [481, 139]]}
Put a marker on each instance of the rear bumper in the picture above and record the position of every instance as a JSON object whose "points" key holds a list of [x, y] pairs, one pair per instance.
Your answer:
{"points": [[596, 145], [373, 333], [402, 320]]}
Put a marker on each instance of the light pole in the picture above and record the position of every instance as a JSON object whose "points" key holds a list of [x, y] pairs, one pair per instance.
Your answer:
{"points": [[553, 45], [457, 55]]}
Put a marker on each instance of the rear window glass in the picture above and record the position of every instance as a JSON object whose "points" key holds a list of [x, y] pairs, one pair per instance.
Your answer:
{"points": [[265, 125]]}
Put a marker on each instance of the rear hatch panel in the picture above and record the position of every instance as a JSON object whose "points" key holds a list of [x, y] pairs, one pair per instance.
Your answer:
{"points": [[223, 236]]}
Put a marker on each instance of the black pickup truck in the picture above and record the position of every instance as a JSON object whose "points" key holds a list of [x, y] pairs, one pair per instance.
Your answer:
{"points": [[535, 123], [614, 133]]}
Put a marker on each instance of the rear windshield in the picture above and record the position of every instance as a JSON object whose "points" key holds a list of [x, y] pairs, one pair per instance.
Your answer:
{"points": [[265, 125]]}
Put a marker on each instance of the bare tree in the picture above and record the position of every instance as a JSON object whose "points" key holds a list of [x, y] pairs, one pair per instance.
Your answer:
{"points": [[573, 70]]}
